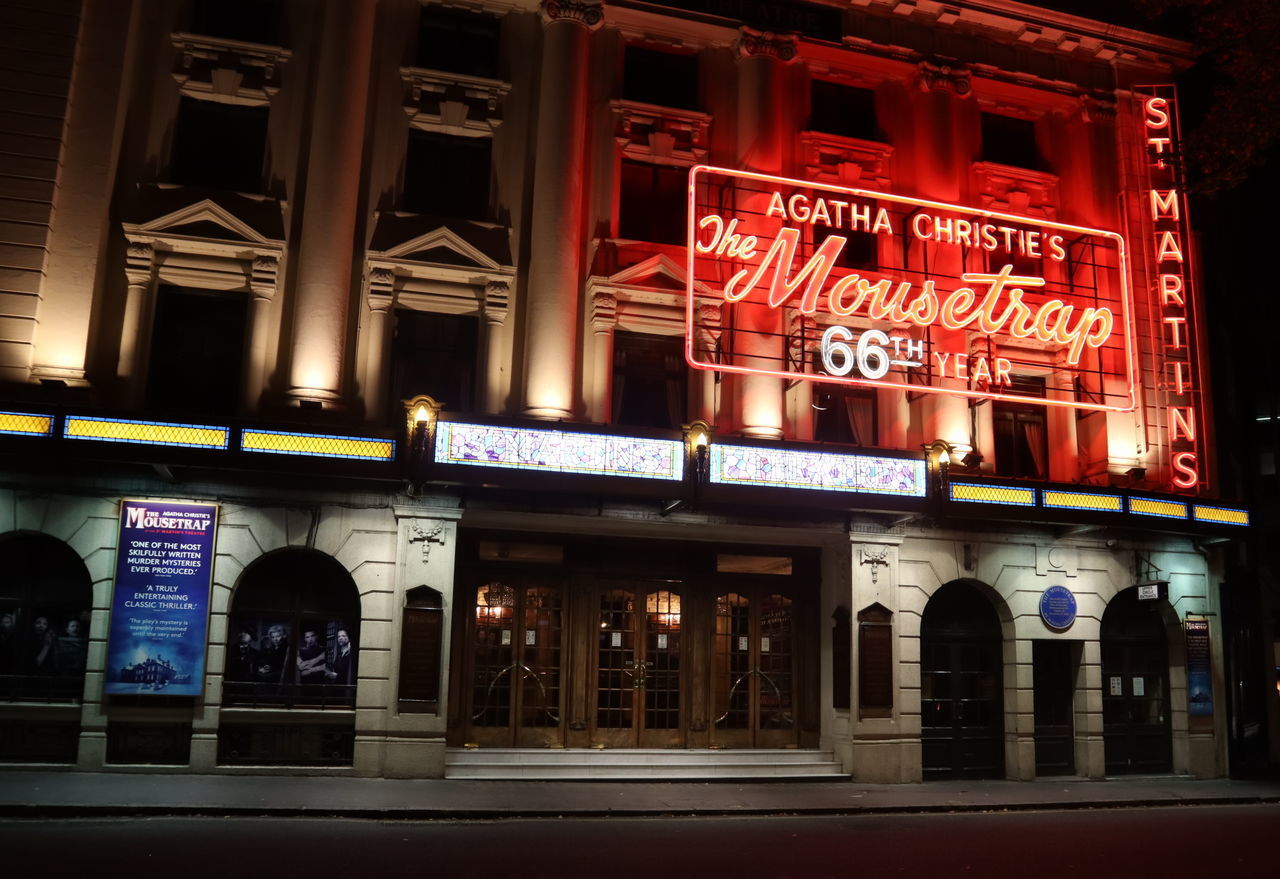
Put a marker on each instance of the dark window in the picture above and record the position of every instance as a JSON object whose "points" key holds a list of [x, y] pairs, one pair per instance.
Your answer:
{"points": [[654, 201], [844, 415], [860, 250], [46, 601], [434, 354], [293, 636], [1010, 141], [650, 380], [841, 659], [875, 662], [842, 110], [665, 79], [420, 642], [221, 146], [197, 351], [249, 21], [447, 176], [1014, 251], [458, 41], [1022, 446]]}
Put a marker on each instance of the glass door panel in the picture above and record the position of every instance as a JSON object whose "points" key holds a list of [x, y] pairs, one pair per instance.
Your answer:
{"points": [[753, 670], [638, 670]]}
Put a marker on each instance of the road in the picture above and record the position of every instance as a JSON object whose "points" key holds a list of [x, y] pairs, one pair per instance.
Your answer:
{"points": [[1224, 842]]}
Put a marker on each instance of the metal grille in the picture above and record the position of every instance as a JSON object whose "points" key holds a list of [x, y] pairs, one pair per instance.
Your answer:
{"points": [[1145, 506], [151, 433], [26, 424], [317, 444], [1079, 500], [1224, 515], [975, 492]]}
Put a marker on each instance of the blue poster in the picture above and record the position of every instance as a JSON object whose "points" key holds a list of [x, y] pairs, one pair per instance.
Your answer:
{"points": [[160, 608], [1199, 669]]}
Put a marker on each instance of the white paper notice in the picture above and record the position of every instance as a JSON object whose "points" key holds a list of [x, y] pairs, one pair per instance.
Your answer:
{"points": [[662, 642], [1117, 686], [615, 639], [506, 637], [1139, 687], [764, 645], [743, 644]]}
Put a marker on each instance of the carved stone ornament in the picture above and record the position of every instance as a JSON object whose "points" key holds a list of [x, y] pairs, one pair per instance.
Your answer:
{"points": [[265, 265], [604, 311], [141, 251], [382, 276], [584, 12], [875, 558], [945, 77], [497, 300], [752, 42], [429, 535], [1097, 109]]}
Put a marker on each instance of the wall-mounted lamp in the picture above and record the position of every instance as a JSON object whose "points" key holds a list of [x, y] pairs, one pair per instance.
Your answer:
{"points": [[697, 438], [421, 413]]}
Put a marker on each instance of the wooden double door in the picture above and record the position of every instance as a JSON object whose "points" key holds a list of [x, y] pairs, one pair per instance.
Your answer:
{"points": [[619, 663]]}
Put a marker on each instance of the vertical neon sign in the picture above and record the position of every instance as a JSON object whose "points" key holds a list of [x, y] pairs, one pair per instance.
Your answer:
{"points": [[1173, 300]]}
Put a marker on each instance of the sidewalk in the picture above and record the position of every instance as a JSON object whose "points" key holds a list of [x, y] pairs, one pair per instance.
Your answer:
{"points": [[29, 794]]}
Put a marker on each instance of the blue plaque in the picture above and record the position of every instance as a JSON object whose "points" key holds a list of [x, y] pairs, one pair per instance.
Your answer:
{"points": [[1058, 607]]}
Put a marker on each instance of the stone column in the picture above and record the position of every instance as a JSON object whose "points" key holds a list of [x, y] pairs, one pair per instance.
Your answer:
{"points": [[709, 333], [604, 318], [804, 331], [559, 183], [893, 414], [130, 367], [377, 354], [97, 100], [1060, 427], [497, 347], [262, 285], [761, 109], [325, 245]]}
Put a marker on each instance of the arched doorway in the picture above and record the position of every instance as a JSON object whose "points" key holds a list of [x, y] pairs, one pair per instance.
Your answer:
{"points": [[1136, 728], [961, 685], [293, 641], [46, 603]]}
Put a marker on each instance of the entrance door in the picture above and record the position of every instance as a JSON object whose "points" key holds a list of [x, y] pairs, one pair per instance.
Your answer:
{"points": [[1136, 730], [1052, 676], [961, 686], [515, 666], [753, 671], [638, 669]]}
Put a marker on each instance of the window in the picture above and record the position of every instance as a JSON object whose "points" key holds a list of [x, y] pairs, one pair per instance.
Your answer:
{"points": [[860, 251], [1008, 140], [447, 176], [875, 662], [842, 110], [197, 351], [421, 637], [841, 658], [46, 601], [434, 354], [1022, 448], [650, 380], [221, 146], [249, 21], [1014, 251], [653, 203], [293, 638], [665, 79], [844, 415], [458, 41]]}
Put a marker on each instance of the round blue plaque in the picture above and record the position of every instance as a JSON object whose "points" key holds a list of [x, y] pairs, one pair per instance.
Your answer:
{"points": [[1058, 607]]}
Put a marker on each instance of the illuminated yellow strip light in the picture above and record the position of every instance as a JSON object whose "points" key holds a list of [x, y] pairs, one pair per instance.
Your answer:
{"points": [[1147, 506], [279, 442], [147, 433], [1221, 515], [1081, 500], [974, 492], [26, 424]]}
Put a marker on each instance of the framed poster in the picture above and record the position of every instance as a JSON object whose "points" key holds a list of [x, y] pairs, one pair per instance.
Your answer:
{"points": [[160, 605]]}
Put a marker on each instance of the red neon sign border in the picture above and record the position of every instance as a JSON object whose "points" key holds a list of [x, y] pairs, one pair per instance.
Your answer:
{"points": [[1126, 298]]}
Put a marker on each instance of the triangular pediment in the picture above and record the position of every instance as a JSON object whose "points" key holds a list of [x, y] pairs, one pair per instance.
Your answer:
{"points": [[442, 246], [658, 272], [204, 219]]}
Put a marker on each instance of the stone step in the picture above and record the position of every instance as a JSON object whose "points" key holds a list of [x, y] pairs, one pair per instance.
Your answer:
{"points": [[663, 763]]}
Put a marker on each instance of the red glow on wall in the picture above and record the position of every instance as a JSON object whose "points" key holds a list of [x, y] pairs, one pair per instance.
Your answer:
{"points": [[936, 298]]}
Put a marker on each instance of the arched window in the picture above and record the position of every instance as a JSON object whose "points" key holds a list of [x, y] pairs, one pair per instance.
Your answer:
{"points": [[293, 636], [875, 662], [46, 600], [420, 643]]}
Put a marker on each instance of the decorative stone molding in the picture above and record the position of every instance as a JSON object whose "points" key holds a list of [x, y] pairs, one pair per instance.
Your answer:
{"points": [[944, 76], [588, 13], [753, 43], [229, 71], [846, 160], [661, 134], [497, 300], [875, 557], [1016, 190], [139, 261], [432, 534], [263, 274], [1097, 108], [604, 312], [452, 102]]}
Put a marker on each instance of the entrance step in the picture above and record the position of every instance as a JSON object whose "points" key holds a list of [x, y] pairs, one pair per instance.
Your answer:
{"points": [[641, 764]]}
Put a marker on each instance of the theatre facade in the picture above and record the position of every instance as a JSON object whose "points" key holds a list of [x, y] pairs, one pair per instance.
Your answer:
{"points": [[576, 389]]}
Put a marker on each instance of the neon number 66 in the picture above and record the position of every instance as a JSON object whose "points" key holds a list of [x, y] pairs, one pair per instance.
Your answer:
{"points": [[838, 358]]}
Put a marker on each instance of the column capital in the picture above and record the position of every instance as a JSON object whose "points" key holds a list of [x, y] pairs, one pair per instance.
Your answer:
{"points": [[1097, 108], [264, 273], [140, 258], [753, 43], [381, 279], [588, 13], [944, 76]]}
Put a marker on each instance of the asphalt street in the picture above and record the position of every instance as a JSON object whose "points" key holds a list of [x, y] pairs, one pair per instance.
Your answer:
{"points": [[1225, 842]]}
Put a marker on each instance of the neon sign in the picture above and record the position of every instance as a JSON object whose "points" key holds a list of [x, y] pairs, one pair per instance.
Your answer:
{"points": [[1172, 296], [906, 293]]}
